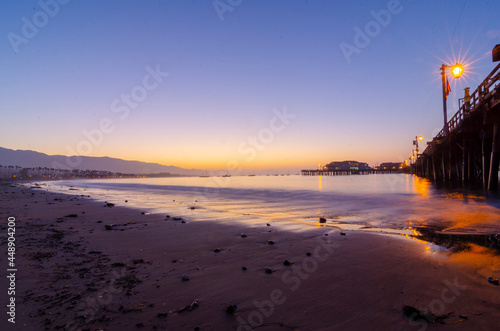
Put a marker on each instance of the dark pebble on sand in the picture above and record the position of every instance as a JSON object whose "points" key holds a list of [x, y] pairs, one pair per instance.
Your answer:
{"points": [[286, 262], [322, 220], [268, 224], [217, 250], [308, 254], [342, 234], [183, 221], [168, 216], [243, 235], [493, 281], [270, 242], [244, 268], [231, 309], [268, 270], [185, 277], [71, 215]]}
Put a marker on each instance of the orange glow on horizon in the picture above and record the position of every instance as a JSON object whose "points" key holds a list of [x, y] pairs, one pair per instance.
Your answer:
{"points": [[274, 158]]}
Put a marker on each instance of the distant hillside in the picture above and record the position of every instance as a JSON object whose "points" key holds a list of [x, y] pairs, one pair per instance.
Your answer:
{"points": [[32, 159]]}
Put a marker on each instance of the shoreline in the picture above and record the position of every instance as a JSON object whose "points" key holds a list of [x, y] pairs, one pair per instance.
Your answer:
{"points": [[436, 234], [74, 274]]}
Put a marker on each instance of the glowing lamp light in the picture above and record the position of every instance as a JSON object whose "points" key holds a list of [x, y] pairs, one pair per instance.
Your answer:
{"points": [[420, 138], [457, 70]]}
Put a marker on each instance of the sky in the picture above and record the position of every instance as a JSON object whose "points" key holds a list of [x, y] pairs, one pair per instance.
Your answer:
{"points": [[236, 84]]}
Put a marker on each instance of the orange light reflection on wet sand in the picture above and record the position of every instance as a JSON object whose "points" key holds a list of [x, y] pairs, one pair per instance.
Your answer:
{"points": [[486, 261], [429, 247]]}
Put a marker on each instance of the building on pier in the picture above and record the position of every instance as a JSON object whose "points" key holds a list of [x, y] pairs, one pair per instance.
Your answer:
{"points": [[390, 166], [347, 165]]}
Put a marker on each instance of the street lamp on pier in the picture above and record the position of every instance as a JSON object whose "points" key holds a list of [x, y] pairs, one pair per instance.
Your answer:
{"points": [[415, 142], [456, 71]]}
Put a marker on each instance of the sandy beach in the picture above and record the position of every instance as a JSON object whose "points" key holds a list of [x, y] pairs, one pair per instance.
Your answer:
{"points": [[83, 266]]}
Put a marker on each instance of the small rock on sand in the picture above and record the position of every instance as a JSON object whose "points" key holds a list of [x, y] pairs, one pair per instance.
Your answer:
{"points": [[231, 309], [493, 281]]}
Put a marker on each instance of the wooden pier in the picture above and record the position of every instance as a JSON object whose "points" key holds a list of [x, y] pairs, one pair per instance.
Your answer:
{"points": [[348, 172], [469, 155]]}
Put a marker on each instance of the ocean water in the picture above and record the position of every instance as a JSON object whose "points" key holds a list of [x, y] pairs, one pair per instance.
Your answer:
{"points": [[381, 202]]}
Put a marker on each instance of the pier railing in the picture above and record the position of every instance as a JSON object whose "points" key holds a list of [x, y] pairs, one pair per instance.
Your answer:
{"points": [[483, 93]]}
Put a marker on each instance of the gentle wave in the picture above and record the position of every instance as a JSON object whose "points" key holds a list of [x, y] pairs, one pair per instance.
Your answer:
{"points": [[372, 201]]}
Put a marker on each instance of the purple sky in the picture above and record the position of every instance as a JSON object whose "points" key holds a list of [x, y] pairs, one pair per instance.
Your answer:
{"points": [[256, 84]]}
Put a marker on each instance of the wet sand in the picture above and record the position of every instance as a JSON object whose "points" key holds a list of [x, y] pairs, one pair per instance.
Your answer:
{"points": [[114, 268]]}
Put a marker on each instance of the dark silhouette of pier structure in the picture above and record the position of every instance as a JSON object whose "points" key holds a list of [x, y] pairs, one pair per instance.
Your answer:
{"points": [[320, 172], [468, 155], [339, 168]]}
